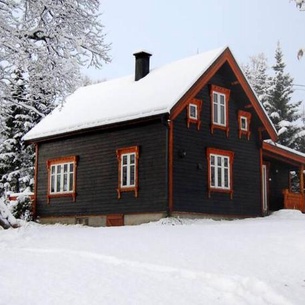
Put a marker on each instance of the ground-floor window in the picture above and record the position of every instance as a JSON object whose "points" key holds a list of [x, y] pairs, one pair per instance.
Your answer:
{"points": [[220, 178], [128, 170], [62, 177]]}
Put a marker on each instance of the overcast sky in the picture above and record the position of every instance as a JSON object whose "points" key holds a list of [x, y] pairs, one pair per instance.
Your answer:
{"points": [[173, 30]]}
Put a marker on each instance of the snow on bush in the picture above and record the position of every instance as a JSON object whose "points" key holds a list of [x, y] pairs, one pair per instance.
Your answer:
{"points": [[23, 208]]}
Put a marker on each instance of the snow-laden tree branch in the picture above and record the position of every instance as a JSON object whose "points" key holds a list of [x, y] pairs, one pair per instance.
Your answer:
{"points": [[43, 44]]}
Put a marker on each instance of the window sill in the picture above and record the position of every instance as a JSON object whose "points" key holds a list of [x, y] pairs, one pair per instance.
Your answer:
{"points": [[60, 195], [127, 189], [220, 190], [244, 132], [221, 127]]}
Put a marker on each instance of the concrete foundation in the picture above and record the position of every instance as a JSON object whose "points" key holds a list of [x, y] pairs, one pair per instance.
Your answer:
{"points": [[100, 221]]}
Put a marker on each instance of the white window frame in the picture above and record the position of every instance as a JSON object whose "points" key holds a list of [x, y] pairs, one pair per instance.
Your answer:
{"points": [[193, 117], [130, 173], [241, 123], [58, 177], [221, 109], [221, 170]]}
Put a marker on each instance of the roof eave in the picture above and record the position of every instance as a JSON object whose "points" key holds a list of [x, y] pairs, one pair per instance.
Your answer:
{"points": [[282, 153], [57, 136], [226, 56]]}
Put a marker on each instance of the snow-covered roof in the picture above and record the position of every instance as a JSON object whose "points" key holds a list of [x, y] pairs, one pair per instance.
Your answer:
{"points": [[125, 99], [299, 156]]}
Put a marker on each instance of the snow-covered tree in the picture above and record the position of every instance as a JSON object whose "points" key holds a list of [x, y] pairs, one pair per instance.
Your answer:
{"points": [[284, 114], [256, 72], [16, 159], [300, 4], [43, 43], [49, 40]]}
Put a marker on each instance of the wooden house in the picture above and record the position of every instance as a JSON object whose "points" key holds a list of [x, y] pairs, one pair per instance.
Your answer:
{"points": [[189, 138]]}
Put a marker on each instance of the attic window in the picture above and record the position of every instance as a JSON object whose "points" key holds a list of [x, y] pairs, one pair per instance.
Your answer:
{"points": [[219, 108], [62, 177], [194, 113], [127, 170], [244, 120]]}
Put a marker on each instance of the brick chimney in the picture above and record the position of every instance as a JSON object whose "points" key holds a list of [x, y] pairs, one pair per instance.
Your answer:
{"points": [[142, 64]]}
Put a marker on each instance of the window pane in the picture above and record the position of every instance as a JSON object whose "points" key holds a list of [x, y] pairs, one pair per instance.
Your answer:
{"points": [[52, 184], [243, 123], [215, 116], [65, 182], [219, 177], [212, 176], [71, 167], [222, 99], [219, 161], [124, 176], [222, 115], [212, 160], [193, 111], [226, 162], [124, 160], [132, 175], [58, 176], [132, 158], [71, 182], [65, 168], [226, 178], [52, 169]]}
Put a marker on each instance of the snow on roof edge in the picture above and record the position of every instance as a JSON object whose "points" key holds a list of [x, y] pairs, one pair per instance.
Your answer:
{"points": [[84, 127], [291, 150], [212, 57], [260, 104]]}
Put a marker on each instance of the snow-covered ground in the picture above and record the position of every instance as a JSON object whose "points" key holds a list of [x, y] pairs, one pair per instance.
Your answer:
{"points": [[252, 261]]}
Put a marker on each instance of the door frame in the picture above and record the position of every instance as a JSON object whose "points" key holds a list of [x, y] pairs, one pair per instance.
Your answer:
{"points": [[265, 188]]}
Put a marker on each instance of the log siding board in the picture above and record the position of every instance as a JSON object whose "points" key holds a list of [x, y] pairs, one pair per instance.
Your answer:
{"points": [[97, 172], [190, 178], [226, 59]]}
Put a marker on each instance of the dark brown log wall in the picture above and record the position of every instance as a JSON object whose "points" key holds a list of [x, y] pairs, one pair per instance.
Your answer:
{"points": [[97, 172], [190, 181]]}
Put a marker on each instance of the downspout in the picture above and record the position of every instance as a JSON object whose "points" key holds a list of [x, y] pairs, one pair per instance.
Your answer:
{"points": [[35, 181], [261, 163], [170, 166]]}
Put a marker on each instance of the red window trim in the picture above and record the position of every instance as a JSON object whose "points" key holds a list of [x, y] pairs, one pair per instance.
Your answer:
{"points": [[226, 92], [190, 120], [241, 131], [135, 188], [61, 160], [224, 153]]}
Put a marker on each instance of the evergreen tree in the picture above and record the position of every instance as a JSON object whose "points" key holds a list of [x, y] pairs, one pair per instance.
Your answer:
{"points": [[284, 114], [16, 159], [43, 44], [256, 72]]}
